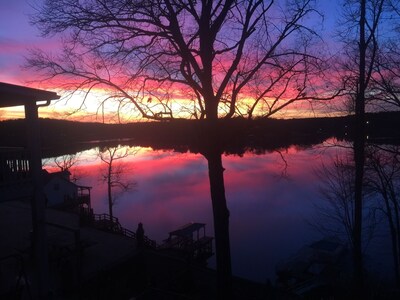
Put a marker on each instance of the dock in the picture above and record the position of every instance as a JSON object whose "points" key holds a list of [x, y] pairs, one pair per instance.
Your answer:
{"points": [[191, 241]]}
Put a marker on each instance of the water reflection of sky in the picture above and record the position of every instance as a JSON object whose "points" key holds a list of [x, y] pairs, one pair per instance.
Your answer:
{"points": [[270, 200]]}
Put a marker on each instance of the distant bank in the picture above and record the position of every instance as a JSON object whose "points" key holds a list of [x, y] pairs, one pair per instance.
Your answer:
{"points": [[236, 134]]}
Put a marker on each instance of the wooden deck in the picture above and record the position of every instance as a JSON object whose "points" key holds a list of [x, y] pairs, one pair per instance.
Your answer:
{"points": [[191, 241]]}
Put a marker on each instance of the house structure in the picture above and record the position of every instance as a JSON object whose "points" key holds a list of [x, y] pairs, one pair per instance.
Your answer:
{"points": [[61, 192]]}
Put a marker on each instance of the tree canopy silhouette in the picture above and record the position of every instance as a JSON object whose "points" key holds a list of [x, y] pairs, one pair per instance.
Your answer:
{"points": [[196, 59]]}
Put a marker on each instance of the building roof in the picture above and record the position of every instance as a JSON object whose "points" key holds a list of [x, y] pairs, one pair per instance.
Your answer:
{"points": [[188, 229], [47, 177], [16, 95]]}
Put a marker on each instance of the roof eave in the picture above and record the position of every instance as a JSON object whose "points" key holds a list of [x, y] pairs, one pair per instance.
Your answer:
{"points": [[16, 95]]}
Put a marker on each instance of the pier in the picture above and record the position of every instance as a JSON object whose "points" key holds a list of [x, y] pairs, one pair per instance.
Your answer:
{"points": [[191, 241]]}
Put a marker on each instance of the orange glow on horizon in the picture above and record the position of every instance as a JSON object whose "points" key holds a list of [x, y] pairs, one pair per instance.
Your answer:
{"points": [[93, 108]]}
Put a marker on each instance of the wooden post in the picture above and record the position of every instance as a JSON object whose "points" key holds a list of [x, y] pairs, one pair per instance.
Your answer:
{"points": [[38, 203]]}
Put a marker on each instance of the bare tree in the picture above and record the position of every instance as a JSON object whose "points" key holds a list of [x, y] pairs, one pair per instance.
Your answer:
{"points": [[114, 173], [219, 59], [65, 163], [385, 75], [361, 21], [382, 53], [386, 79]]}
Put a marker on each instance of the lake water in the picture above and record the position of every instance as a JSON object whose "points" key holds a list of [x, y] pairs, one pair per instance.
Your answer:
{"points": [[271, 198]]}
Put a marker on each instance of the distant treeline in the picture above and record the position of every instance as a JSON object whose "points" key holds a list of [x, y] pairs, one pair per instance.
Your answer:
{"points": [[237, 135]]}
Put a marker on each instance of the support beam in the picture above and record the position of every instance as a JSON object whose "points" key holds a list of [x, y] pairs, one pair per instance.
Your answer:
{"points": [[38, 203]]}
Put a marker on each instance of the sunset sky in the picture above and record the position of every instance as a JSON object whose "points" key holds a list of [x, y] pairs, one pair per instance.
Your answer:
{"points": [[17, 36]]}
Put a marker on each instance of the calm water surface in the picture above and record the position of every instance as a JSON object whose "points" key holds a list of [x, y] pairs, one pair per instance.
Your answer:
{"points": [[271, 199]]}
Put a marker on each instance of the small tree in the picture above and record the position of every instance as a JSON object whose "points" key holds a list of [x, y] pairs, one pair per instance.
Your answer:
{"points": [[64, 163], [114, 173]]}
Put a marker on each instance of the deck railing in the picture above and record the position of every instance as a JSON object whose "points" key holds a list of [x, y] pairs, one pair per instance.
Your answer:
{"points": [[14, 165], [111, 224]]}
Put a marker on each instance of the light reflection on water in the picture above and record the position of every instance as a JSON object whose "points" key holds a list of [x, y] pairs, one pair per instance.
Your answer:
{"points": [[270, 198]]}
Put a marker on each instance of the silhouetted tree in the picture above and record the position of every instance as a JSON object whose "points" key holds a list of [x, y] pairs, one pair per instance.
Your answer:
{"points": [[385, 76], [359, 144], [114, 173], [362, 18], [227, 58], [374, 43], [64, 163], [386, 79]]}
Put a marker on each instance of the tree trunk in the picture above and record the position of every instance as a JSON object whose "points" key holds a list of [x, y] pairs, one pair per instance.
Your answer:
{"points": [[358, 207], [109, 190], [397, 230], [213, 155], [359, 157], [211, 108], [395, 248], [221, 226]]}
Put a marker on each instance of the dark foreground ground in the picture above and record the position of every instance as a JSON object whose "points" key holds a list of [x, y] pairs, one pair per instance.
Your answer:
{"points": [[111, 266]]}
